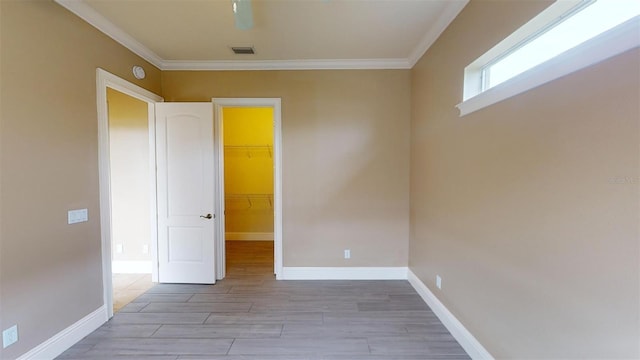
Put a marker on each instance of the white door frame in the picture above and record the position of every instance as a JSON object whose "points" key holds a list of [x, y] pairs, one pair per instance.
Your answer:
{"points": [[106, 80], [219, 104]]}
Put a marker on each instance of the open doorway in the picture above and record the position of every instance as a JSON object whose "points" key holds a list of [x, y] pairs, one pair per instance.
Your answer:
{"points": [[130, 181], [248, 190], [249, 186], [106, 82]]}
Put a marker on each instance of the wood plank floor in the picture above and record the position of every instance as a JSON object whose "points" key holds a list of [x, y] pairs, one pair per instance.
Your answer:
{"points": [[250, 315], [127, 287]]}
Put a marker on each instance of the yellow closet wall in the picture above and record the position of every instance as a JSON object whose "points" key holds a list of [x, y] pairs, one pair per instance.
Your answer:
{"points": [[129, 161], [248, 173]]}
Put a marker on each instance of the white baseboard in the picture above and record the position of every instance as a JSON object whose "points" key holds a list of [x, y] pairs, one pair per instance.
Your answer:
{"points": [[66, 338], [344, 273], [131, 267], [468, 342], [249, 236]]}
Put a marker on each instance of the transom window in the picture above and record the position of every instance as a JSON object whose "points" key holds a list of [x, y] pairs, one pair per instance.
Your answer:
{"points": [[582, 23], [568, 35]]}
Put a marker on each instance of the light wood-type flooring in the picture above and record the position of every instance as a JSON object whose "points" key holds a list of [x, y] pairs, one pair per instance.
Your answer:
{"points": [[250, 315], [127, 287]]}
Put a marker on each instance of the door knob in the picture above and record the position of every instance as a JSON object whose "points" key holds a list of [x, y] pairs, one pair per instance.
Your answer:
{"points": [[208, 216]]}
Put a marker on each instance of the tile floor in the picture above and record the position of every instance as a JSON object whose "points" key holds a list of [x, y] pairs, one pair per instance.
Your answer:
{"points": [[250, 315]]}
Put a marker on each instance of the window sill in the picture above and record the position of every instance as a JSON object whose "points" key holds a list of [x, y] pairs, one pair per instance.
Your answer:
{"points": [[611, 43]]}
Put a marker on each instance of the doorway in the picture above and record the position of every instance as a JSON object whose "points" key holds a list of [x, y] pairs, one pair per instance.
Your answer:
{"points": [[130, 197], [248, 179], [249, 183], [106, 83]]}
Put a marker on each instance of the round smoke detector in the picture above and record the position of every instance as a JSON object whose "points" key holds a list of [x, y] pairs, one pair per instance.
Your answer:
{"points": [[138, 72]]}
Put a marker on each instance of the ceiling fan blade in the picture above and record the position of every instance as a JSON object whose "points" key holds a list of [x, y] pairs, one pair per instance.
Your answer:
{"points": [[243, 14]]}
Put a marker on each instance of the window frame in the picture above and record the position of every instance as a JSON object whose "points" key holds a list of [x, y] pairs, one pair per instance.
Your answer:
{"points": [[486, 68], [615, 41]]}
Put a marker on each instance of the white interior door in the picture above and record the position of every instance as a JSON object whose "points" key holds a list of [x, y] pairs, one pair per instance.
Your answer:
{"points": [[185, 176]]}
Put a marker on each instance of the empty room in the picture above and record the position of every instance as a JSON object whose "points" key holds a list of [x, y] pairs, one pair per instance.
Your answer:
{"points": [[321, 179]]}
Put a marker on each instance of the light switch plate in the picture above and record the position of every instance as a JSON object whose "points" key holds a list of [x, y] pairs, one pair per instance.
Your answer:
{"points": [[78, 215], [10, 336]]}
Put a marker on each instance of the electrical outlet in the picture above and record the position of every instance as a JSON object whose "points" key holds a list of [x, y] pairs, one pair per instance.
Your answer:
{"points": [[438, 281], [347, 254], [119, 248], [145, 249], [10, 336]]}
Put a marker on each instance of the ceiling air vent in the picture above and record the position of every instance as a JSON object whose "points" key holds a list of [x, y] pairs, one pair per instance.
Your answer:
{"points": [[243, 50]]}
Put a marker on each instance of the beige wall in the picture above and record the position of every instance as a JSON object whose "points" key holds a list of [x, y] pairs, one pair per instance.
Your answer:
{"points": [[51, 271], [130, 177], [345, 157], [523, 207]]}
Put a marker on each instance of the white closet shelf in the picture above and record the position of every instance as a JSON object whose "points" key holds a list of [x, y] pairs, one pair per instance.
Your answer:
{"points": [[251, 198], [250, 149]]}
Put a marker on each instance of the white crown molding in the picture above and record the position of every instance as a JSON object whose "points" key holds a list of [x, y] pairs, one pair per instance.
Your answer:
{"points": [[94, 18], [333, 64], [450, 12]]}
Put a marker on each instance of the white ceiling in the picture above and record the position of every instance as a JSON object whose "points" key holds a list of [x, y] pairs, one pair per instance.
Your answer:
{"points": [[287, 34]]}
